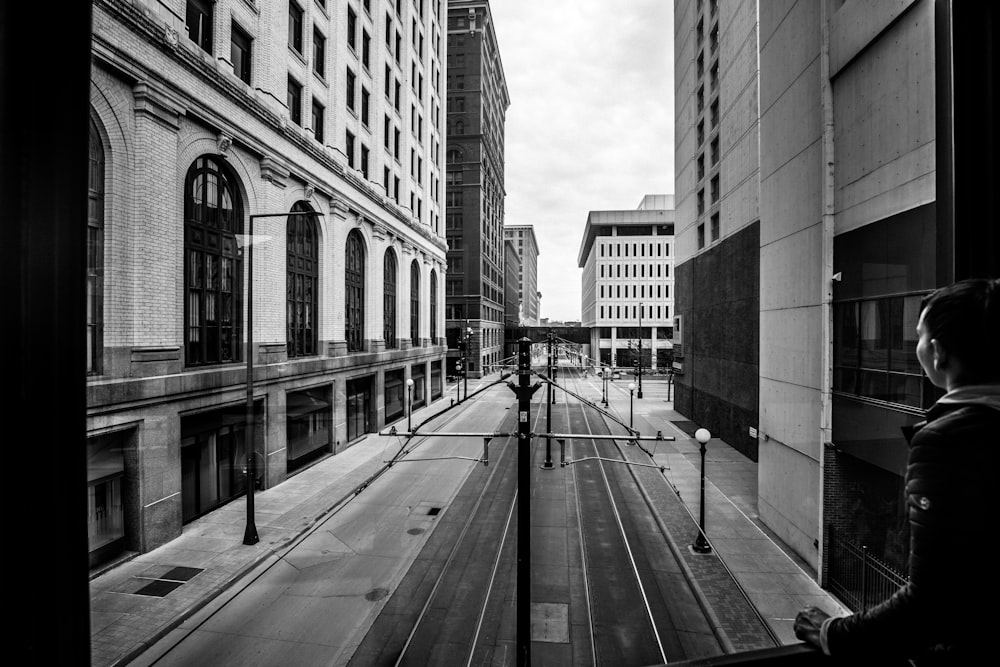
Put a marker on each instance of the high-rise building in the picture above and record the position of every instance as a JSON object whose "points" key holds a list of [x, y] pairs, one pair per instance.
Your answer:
{"points": [[874, 187], [477, 104], [717, 184], [523, 237], [512, 273], [325, 138], [627, 284]]}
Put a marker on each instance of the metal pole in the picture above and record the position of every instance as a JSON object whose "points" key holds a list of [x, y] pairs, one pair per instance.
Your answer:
{"points": [[250, 535], [523, 621], [701, 544], [639, 394], [548, 412]]}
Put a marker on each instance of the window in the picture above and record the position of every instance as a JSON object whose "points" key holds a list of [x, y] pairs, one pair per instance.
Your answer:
{"points": [[701, 132], [415, 304], [395, 143], [434, 307], [354, 286], [399, 45], [95, 254], [389, 300], [349, 148], [317, 120], [199, 23], [714, 149], [388, 82], [715, 188], [213, 217], [295, 26], [395, 189], [364, 161], [240, 52], [365, 104], [350, 89], [396, 96], [715, 226], [303, 280], [873, 351], [701, 236], [294, 101], [319, 53], [366, 48], [385, 179], [386, 131], [352, 29]]}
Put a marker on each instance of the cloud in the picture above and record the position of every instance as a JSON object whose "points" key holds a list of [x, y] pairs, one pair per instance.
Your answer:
{"points": [[591, 121]]}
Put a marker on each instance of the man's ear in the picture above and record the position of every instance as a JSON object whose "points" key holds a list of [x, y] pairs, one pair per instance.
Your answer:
{"points": [[940, 355]]}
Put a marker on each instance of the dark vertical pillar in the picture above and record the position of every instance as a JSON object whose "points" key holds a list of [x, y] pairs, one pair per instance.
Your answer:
{"points": [[43, 195], [523, 502]]}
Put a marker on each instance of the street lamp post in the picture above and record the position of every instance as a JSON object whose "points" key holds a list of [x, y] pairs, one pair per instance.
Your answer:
{"points": [[409, 405], [701, 544], [465, 366], [548, 409], [250, 535], [605, 373], [631, 388], [639, 393]]}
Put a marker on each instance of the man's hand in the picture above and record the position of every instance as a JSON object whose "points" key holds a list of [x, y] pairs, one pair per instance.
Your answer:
{"points": [[807, 625]]}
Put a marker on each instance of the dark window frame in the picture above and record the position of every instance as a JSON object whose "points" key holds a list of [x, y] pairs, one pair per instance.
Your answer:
{"points": [[241, 53], [354, 292], [302, 282], [202, 221], [390, 280]]}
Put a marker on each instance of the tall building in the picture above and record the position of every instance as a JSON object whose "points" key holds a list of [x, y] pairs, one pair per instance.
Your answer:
{"points": [[511, 284], [318, 126], [477, 105], [718, 228], [523, 237], [627, 283], [874, 188]]}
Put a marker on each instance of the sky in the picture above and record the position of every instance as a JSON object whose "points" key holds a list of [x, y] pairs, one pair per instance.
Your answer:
{"points": [[590, 124]]}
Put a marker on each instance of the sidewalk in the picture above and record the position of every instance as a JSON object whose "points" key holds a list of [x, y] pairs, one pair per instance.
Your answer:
{"points": [[777, 582]]}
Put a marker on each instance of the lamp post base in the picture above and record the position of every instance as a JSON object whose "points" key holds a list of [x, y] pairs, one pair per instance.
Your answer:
{"points": [[701, 545]]}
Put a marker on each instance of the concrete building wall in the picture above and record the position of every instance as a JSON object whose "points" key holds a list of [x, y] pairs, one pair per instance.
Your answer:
{"points": [[791, 273], [716, 355]]}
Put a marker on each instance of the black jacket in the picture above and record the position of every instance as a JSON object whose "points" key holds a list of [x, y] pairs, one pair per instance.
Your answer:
{"points": [[940, 616]]}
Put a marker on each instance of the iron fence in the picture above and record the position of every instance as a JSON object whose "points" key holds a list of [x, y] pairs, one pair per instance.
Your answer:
{"points": [[858, 578]]}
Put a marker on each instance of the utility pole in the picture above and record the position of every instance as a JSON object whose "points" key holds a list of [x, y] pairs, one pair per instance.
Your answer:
{"points": [[524, 391], [548, 412]]}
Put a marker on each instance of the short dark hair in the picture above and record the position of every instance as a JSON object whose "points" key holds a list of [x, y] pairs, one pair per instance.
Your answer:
{"points": [[964, 318]]}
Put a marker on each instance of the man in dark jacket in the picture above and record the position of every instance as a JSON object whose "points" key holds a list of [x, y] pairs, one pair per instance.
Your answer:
{"points": [[940, 615]]}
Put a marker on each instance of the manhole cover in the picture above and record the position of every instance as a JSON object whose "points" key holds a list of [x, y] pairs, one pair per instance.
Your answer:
{"points": [[434, 511], [415, 531], [377, 594]]}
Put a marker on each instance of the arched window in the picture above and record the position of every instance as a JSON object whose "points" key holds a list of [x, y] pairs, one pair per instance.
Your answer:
{"points": [[95, 254], [389, 300], [434, 306], [354, 287], [454, 155], [302, 284], [415, 303], [213, 216]]}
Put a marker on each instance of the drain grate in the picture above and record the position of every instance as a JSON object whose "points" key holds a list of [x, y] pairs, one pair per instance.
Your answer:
{"points": [[434, 511], [159, 588], [181, 573], [169, 581]]}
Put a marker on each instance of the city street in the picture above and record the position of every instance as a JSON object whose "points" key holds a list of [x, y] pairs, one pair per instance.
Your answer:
{"points": [[419, 568]]}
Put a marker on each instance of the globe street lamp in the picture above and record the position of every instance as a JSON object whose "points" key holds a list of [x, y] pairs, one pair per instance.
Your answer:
{"points": [[465, 369], [631, 388], [605, 374], [409, 405], [701, 544]]}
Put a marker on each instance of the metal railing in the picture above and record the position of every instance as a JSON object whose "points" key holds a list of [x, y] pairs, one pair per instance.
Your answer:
{"points": [[859, 578]]}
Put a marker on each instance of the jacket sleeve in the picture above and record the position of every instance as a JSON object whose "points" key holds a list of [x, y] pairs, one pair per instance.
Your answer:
{"points": [[916, 616]]}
